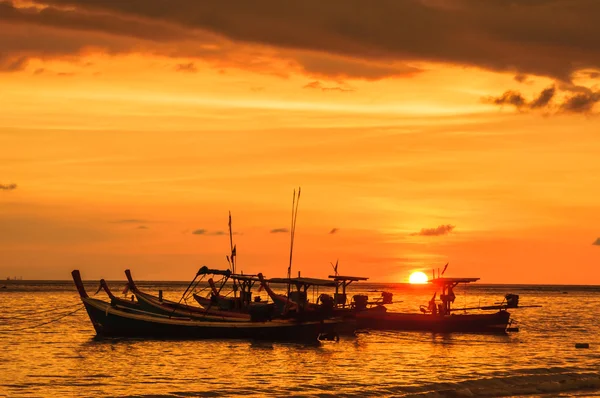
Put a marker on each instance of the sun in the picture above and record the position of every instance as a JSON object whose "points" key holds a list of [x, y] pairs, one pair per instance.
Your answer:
{"points": [[417, 277]]}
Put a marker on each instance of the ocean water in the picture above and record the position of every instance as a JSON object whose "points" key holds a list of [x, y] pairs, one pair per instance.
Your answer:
{"points": [[63, 358]]}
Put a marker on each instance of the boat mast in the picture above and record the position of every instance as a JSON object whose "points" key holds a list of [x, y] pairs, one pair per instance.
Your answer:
{"points": [[295, 202], [233, 255]]}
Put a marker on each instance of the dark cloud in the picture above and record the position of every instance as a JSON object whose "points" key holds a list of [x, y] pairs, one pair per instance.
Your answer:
{"points": [[8, 187], [544, 98], [508, 98], [334, 231], [142, 227], [581, 103], [578, 100], [319, 86], [13, 64], [597, 242], [199, 232], [189, 67], [524, 37], [279, 230], [521, 77], [440, 230]]}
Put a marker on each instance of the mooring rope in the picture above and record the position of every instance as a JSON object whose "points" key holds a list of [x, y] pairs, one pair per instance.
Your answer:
{"points": [[44, 323], [22, 315]]}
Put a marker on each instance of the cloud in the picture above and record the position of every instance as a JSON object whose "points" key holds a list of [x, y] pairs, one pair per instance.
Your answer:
{"points": [[597, 242], [206, 232], [317, 85], [438, 231], [142, 227], [9, 187], [544, 98], [129, 221], [279, 230], [189, 67], [521, 77], [581, 103], [334, 231], [521, 37], [508, 98], [579, 100]]}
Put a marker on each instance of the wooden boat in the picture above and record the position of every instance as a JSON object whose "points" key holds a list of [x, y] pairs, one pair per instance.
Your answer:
{"points": [[158, 305], [109, 321], [437, 317]]}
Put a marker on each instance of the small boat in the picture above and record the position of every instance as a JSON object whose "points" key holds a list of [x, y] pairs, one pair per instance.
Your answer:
{"points": [[161, 306], [109, 321], [438, 317]]}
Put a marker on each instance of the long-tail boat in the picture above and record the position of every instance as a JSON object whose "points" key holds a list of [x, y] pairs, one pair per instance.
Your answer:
{"points": [[162, 306], [437, 317], [109, 321]]}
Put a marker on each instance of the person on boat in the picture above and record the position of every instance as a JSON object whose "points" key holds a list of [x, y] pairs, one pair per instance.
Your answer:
{"points": [[432, 307]]}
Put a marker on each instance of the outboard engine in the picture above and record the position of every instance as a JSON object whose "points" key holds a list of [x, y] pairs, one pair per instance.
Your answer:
{"points": [[387, 297], [360, 302], [512, 300]]}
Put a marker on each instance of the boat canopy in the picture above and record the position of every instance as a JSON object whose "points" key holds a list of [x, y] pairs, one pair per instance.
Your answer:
{"points": [[303, 281], [340, 278], [207, 271], [447, 281]]}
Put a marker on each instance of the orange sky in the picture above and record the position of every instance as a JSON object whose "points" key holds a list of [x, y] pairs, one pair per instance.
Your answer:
{"points": [[122, 147]]}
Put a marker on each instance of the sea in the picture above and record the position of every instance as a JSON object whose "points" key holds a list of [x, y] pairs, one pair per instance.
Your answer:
{"points": [[49, 349]]}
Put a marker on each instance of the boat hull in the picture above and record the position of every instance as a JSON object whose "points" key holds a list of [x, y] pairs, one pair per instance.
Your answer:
{"points": [[472, 323], [112, 322]]}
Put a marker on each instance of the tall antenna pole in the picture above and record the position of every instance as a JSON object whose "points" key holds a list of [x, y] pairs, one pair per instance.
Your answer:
{"points": [[233, 255], [295, 202], [231, 245]]}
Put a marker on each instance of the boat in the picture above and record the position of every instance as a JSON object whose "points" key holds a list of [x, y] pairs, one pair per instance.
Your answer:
{"points": [[161, 306], [438, 317], [109, 321]]}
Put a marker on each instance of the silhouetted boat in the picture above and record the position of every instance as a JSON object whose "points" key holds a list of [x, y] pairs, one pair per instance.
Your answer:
{"points": [[109, 321], [438, 317], [161, 306]]}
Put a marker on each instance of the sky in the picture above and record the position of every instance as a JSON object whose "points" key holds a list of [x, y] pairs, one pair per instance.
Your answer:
{"points": [[420, 131]]}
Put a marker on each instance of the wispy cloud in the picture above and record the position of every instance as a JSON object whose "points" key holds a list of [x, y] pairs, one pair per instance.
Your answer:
{"points": [[130, 221], [189, 67], [597, 242], [438, 231], [8, 187], [205, 232], [334, 231], [142, 227], [279, 230], [319, 86]]}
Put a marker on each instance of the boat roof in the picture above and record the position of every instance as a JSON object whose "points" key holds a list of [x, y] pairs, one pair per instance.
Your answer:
{"points": [[441, 281], [303, 281], [348, 278], [205, 271], [245, 277]]}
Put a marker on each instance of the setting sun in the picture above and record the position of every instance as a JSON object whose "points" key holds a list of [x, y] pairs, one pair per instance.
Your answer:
{"points": [[417, 277]]}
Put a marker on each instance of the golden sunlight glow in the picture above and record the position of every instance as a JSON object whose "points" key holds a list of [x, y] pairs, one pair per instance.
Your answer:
{"points": [[417, 278]]}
